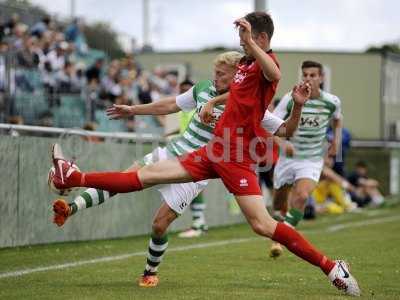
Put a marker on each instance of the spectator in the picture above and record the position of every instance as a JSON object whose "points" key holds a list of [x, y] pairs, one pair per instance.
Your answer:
{"points": [[28, 56], [339, 159], [93, 73], [74, 35], [367, 189], [49, 84], [144, 89], [9, 26], [331, 195], [56, 57], [132, 66], [110, 83], [17, 41], [41, 27], [67, 81]]}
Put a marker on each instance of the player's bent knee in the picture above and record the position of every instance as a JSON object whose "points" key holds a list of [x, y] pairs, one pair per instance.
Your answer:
{"points": [[159, 227], [148, 175], [301, 196], [262, 228]]}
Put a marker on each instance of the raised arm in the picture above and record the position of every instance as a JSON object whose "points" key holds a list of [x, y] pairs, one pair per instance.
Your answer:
{"points": [[164, 106], [268, 66], [206, 113]]}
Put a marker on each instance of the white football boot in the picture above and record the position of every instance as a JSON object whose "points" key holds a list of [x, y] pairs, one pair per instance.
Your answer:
{"points": [[342, 279]]}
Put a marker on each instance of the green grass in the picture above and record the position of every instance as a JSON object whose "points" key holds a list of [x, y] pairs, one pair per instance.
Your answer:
{"points": [[236, 271]]}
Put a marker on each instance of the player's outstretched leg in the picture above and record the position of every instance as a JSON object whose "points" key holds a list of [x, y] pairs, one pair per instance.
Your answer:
{"points": [[263, 224], [88, 198], [67, 175], [157, 245]]}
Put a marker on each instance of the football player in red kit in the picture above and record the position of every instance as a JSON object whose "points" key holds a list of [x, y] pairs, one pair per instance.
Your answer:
{"points": [[233, 153]]}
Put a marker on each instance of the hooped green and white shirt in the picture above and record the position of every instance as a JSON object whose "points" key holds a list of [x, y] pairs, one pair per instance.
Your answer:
{"points": [[310, 137], [196, 134]]}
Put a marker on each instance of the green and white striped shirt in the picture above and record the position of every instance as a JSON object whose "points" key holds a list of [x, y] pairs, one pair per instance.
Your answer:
{"points": [[310, 137], [196, 134]]}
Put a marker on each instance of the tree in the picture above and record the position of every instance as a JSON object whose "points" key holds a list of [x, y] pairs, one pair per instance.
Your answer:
{"points": [[386, 48], [101, 36]]}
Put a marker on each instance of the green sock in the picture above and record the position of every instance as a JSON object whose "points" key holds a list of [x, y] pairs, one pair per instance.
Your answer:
{"points": [[157, 248], [197, 208], [90, 197], [293, 217]]}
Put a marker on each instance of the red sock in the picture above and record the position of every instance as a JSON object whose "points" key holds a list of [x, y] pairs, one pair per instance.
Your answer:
{"points": [[115, 182], [298, 245]]}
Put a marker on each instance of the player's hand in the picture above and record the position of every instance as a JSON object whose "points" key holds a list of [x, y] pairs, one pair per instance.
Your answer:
{"points": [[206, 113], [301, 93], [116, 112], [244, 30]]}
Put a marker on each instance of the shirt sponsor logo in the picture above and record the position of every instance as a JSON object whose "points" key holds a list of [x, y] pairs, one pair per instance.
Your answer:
{"points": [[243, 182], [239, 77]]}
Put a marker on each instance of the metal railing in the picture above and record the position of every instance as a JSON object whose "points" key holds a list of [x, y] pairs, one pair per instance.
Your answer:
{"points": [[147, 137], [139, 137]]}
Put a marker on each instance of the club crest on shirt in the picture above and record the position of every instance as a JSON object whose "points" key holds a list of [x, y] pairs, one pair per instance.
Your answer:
{"points": [[239, 76]]}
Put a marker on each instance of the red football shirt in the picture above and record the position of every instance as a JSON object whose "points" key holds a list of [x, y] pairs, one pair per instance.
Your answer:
{"points": [[250, 94]]}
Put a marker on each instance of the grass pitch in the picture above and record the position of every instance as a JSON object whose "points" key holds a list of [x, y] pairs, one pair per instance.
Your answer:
{"points": [[213, 268]]}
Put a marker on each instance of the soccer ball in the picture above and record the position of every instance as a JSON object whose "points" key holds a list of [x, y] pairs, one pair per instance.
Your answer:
{"points": [[61, 192]]}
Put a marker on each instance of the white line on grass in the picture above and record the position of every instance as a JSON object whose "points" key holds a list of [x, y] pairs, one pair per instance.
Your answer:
{"points": [[332, 228], [120, 257], [338, 227]]}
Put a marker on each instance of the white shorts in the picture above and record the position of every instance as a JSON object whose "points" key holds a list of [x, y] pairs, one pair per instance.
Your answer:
{"points": [[178, 196], [288, 170]]}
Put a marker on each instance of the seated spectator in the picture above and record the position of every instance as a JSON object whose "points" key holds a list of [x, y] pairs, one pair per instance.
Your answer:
{"points": [[330, 195], [56, 57], [173, 87], [9, 26], [132, 66], [17, 41], [67, 80], [49, 84], [74, 35], [94, 72], [366, 189], [144, 89], [110, 82], [28, 57], [41, 27]]}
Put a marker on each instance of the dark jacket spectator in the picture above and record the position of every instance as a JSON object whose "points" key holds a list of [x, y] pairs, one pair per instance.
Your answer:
{"points": [[94, 72]]}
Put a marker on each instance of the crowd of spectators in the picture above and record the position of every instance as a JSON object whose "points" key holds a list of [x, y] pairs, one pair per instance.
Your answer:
{"points": [[57, 54]]}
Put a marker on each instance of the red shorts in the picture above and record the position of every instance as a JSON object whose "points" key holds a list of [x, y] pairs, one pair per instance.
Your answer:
{"points": [[239, 178]]}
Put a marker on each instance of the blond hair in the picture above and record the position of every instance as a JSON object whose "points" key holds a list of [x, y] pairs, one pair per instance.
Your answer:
{"points": [[230, 58]]}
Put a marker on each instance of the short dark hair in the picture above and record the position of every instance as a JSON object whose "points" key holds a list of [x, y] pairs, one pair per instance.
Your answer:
{"points": [[312, 64], [261, 22], [187, 82]]}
